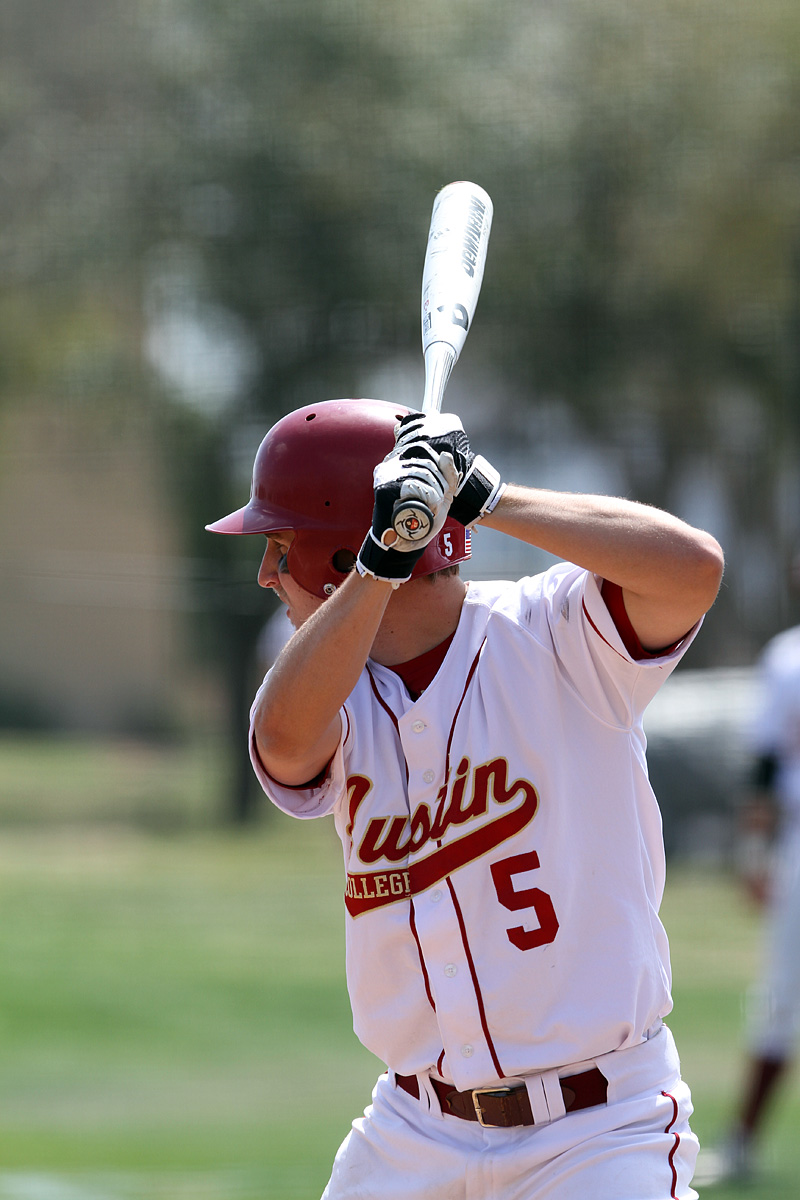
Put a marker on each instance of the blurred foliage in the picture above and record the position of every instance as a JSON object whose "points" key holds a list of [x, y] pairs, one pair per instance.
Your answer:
{"points": [[212, 213]]}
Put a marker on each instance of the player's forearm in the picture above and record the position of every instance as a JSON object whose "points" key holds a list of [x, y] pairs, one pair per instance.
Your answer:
{"points": [[296, 719], [631, 543], [669, 571]]}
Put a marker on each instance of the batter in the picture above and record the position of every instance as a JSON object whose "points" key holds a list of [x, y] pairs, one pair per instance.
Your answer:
{"points": [[480, 749]]}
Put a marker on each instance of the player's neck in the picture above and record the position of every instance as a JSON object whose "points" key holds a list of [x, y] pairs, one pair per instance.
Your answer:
{"points": [[420, 615]]}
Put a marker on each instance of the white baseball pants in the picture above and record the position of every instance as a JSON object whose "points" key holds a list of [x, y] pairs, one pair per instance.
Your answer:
{"points": [[638, 1146], [775, 1019]]}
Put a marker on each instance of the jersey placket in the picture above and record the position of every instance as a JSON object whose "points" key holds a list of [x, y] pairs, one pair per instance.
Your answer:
{"points": [[440, 929]]}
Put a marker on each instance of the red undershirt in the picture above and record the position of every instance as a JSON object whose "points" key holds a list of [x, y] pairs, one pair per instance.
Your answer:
{"points": [[417, 673]]}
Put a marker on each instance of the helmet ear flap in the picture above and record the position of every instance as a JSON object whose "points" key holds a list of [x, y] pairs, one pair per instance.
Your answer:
{"points": [[314, 567], [343, 561]]}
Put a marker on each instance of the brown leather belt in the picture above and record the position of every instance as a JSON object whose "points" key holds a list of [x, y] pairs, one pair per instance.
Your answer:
{"points": [[505, 1107]]}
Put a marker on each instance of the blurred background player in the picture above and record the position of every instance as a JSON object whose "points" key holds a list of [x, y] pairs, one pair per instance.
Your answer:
{"points": [[770, 870]]}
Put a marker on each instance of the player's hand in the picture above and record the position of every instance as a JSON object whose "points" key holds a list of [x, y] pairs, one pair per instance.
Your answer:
{"points": [[479, 484], [428, 477]]}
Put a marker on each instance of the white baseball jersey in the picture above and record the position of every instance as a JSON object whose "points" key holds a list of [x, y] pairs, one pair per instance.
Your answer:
{"points": [[777, 726], [776, 1011], [502, 845]]}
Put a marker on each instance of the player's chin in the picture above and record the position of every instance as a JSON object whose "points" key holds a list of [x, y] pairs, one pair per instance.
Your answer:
{"points": [[294, 612], [302, 609]]}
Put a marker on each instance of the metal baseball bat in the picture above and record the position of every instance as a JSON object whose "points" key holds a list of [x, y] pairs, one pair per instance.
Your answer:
{"points": [[455, 257]]}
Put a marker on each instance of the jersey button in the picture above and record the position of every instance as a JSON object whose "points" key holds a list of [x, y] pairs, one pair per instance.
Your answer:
{"points": [[418, 726], [467, 1051], [436, 896], [429, 776], [450, 970]]}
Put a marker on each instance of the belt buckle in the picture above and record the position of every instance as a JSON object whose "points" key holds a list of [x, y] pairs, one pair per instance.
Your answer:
{"points": [[477, 1093]]}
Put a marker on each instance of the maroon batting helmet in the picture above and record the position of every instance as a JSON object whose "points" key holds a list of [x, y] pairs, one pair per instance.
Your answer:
{"points": [[313, 475]]}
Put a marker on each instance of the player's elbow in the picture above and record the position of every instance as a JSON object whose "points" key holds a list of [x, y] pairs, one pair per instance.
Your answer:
{"points": [[279, 747], [704, 567], [290, 753]]}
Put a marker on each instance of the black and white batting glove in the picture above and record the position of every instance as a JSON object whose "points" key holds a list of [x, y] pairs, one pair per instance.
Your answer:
{"points": [[480, 485], [430, 479]]}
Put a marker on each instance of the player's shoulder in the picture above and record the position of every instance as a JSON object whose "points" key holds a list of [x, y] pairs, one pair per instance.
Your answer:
{"points": [[522, 599]]}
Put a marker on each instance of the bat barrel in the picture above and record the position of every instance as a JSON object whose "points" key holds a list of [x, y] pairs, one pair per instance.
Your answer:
{"points": [[455, 257]]}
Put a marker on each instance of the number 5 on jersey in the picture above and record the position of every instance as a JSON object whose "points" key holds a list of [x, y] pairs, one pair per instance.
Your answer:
{"points": [[502, 877]]}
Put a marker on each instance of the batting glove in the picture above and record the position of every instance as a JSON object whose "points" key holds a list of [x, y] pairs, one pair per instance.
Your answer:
{"points": [[428, 478], [479, 487]]}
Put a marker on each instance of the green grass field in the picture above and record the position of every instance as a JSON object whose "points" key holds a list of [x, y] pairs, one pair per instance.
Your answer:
{"points": [[173, 1015]]}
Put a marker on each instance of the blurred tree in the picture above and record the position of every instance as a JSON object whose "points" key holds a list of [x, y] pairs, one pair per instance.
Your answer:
{"points": [[644, 166], [217, 209]]}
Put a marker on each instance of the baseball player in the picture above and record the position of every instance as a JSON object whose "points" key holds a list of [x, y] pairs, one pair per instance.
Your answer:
{"points": [[480, 749], [771, 873]]}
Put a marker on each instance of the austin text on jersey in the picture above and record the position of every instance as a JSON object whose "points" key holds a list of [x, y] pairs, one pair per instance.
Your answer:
{"points": [[399, 839]]}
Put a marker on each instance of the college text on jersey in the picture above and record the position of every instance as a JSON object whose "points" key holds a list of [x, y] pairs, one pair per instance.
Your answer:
{"points": [[399, 841]]}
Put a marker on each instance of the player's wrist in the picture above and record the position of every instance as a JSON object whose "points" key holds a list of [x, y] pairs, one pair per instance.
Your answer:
{"points": [[385, 563], [478, 493]]}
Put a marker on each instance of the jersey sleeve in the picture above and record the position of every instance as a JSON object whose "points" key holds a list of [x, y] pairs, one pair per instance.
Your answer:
{"points": [[591, 651], [316, 799]]}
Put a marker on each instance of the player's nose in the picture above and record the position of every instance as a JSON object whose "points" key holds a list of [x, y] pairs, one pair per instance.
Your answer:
{"points": [[268, 571]]}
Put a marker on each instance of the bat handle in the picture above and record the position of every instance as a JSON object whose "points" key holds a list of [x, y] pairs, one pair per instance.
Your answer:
{"points": [[411, 519], [440, 358]]}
